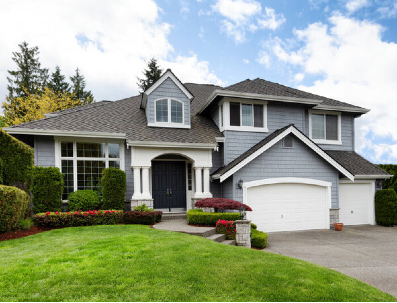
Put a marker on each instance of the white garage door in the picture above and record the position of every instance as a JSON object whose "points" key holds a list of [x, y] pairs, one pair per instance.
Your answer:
{"points": [[286, 207], [356, 203]]}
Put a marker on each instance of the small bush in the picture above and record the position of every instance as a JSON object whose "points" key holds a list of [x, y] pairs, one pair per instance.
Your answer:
{"points": [[114, 186], [1, 171], [142, 207], [25, 224], [228, 228], [258, 238], [13, 205], [220, 203], [47, 189], [140, 217], [158, 216], [78, 218], [83, 200], [253, 226], [386, 207], [198, 217]]}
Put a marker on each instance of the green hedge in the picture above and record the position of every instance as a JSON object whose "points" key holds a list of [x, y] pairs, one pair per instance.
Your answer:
{"points": [[258, 238], [13, 205], [392, 182], [47, 189], [83, 200], [386, 207], [114, 186], [1, 171], [17, 159], [78, 218], [142, 217], [198, 217]]}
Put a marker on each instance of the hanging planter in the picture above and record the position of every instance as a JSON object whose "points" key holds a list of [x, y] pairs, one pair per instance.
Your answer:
{"points": [[338, 226]]}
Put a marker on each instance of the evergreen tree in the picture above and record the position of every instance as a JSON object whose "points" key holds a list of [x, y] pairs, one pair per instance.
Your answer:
{"points": [[57, 82], [78, 89], [29, 77], [152, 74]]}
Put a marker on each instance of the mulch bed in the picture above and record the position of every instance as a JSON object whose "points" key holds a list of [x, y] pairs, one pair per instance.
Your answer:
{"points": [[24, 233]]}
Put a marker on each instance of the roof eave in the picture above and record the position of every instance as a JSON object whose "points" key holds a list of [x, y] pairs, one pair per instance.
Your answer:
{"points": [[64, 133], [371, 177], [342, 109]]}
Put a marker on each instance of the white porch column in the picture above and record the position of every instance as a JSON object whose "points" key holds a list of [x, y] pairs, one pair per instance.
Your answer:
{"points": [[199, 191], [145, 183], [137, 182], [207, 182]]}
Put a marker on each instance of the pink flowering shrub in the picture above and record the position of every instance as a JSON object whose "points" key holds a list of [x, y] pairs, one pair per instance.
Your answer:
{"points": [[78, 218], [226, 227], [220, 203]]}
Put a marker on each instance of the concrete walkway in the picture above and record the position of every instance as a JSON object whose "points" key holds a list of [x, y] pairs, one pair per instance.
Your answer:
{"points": [[367, 253]]}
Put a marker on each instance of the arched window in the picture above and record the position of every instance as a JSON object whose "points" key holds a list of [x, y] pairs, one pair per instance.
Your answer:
{"points": [[169, 111]]}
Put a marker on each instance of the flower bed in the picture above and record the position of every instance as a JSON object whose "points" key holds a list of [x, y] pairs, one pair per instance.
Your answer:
{"points": [[221, 204], [78, 218], [228, 228]]}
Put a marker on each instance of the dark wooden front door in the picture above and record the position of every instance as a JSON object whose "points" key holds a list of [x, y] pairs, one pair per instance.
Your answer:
{"points": [[169, 184]]}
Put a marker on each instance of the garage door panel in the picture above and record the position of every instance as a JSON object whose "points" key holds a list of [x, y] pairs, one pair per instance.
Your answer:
{"points": [[288, 206]]}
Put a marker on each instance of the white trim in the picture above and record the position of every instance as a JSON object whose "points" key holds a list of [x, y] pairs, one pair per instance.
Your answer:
{"points": [[47, 132], [171, 144], [371, 177], [226, 93], [168, 74], [169, 125], [220, 139], [303, 138], [325, 141], [342, 109]]}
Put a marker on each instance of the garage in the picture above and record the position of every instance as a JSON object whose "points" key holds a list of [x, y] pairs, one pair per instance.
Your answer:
{"points": [[286, 204], [356, 203]]}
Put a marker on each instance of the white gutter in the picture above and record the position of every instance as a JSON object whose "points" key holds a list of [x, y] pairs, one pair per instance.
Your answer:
{"points": [[171, 144], [342, 109], [47, 132], [362, 177]]}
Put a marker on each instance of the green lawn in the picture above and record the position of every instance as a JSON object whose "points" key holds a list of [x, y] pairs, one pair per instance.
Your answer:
{"points": [[136, 263]]}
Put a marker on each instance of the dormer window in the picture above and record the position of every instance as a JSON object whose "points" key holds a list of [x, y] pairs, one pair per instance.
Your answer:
{"points": [[169, 111]]}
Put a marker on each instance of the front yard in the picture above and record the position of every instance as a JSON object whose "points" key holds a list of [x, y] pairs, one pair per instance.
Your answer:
{"points": [[137, 263]]}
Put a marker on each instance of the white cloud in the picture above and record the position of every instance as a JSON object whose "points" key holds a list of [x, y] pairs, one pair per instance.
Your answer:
{"points": [[245, 15], [299, 77], [263, 58], [118, 38], [184, 7], [270, 19], [354, 5], [355, 66], [246, 61], [388, 12]]}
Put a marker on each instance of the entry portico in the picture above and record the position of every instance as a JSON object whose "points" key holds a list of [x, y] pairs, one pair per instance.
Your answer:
{"points": [[197, 157]]}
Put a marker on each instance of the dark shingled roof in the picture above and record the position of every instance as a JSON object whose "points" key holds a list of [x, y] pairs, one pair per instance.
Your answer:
{"points": [[201, 93], [249, 152], [260, 86], [355, 164], [125, 116]]}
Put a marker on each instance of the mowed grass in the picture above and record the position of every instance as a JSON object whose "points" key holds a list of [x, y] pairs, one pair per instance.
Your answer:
{"points": [[137, 263]]}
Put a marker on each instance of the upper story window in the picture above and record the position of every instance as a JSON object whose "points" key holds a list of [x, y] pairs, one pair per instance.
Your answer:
{"points": [[325, 127], [169, 111], [243, 116]]}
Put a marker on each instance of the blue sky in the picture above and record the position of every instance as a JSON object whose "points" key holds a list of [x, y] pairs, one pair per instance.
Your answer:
{"points": [[343, 49]]}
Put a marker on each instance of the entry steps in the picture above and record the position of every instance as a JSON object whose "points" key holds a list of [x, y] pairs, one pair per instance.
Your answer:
{"points": [[180, 224]]}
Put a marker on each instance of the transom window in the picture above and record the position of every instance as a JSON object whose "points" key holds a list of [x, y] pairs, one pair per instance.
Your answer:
{"points": [[82, 164], [242, 114], [325, 127], [169, 111]]}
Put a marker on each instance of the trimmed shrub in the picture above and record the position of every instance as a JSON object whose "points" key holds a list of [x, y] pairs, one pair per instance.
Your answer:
{"points": [[17, 159], [13, 205], [386, 207], [1, 171], [220, 204], [142, 207], [253, 226], [228, 228], [392, 182], [25, 224], [198, 217], [83, 200], [140, 217], [158, 216], [78, 218], [114, 186], [47, 189], [258, 238]]}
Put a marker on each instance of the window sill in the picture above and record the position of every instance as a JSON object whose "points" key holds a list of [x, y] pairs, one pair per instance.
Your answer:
{"points": [[169, 125], [245, 129], [327, 142]]}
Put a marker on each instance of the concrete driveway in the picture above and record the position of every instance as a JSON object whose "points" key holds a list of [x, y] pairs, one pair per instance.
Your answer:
{"points": [[367, 253]]}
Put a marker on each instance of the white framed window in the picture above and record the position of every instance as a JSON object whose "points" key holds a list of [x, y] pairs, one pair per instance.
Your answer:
{"points": [[83, 160], [243, 115], [169, 113], [325, 127]]}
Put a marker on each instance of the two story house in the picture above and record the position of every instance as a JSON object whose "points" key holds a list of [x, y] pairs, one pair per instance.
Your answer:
{"points": [[286, 153]]}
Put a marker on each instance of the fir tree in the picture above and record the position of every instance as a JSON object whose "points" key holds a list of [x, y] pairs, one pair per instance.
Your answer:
{"points": [[152, 74], [78, 89], [57, 82]]}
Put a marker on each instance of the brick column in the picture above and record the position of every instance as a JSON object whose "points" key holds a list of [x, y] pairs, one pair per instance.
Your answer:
{"points": [[243, 233]]}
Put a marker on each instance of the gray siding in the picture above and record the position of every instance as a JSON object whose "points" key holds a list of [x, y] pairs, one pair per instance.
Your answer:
{"points": [[299, 161], [129, 174], [216, 189], [217, 158], [167, 89], [227, 188], [44, 151], [213, 111]]}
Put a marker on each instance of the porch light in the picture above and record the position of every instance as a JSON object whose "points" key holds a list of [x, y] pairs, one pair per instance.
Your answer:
{"points": [[240, 184], [242, 212]]}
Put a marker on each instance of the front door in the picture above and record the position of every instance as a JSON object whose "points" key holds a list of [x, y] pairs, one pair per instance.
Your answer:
{"points": [[169, 184]]}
